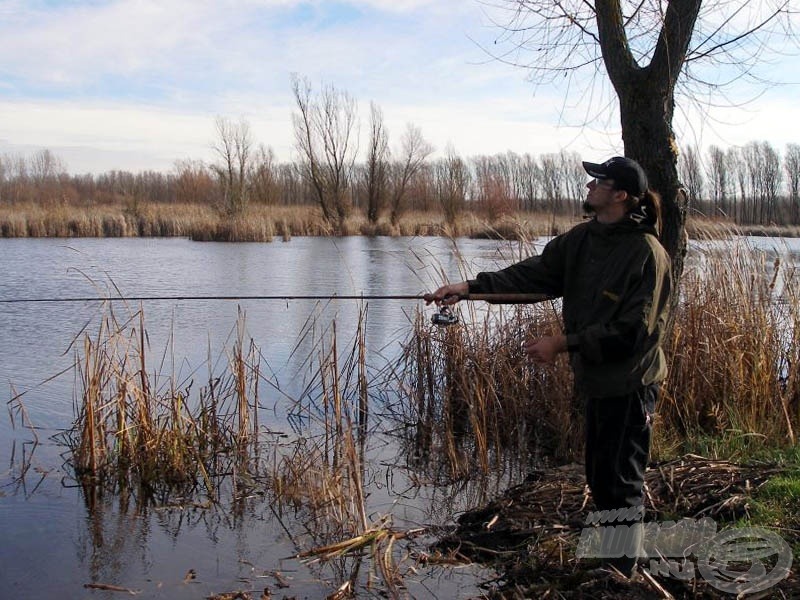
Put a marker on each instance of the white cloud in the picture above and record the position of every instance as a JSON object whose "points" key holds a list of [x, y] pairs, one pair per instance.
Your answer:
{"points": [[137, 83]]}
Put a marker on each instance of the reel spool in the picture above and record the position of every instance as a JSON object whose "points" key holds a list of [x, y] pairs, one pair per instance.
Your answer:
{"points": [[444, 318]]}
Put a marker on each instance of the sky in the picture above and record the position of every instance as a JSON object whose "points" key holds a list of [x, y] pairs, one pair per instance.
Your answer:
{"points": [[137, 84]]}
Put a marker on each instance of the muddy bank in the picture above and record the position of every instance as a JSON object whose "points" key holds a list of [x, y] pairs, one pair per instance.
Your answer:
{"points": [[530, 534]]}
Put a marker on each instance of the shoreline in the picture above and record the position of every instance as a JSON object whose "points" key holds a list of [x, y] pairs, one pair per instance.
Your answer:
{"points": [[265, 223]]}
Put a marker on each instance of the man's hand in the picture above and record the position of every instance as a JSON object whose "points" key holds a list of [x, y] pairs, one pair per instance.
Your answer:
{"points": [[544, 350], [448, 294]]}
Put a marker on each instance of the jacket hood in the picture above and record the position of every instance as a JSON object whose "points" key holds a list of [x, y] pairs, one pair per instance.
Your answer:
{"points": [[637, 220]]}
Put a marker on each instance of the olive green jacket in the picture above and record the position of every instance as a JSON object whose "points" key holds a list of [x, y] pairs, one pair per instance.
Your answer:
{"points": [[615, 282]]}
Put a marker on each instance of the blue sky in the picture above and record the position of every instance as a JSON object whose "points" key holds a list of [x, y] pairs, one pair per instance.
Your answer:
{"points": [[137, 84]]}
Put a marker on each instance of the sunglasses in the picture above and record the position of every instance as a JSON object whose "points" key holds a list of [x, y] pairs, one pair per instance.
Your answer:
{"points": [[602, 183]]}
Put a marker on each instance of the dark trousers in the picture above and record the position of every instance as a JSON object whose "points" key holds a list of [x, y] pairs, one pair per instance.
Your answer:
{"points": [[618, 434]]}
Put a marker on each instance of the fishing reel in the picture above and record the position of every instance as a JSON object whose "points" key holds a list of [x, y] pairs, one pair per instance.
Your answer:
{"points": [[444, 318]]}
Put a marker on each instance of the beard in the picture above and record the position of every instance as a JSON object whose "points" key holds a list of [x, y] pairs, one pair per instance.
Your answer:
{"points": [[587, 208]]}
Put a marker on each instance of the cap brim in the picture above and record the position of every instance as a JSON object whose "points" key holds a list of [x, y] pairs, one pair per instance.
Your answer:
{"points": [[594, 169]]}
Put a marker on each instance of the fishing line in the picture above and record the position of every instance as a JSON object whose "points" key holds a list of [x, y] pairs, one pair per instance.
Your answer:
{"points": [[198, 298]]}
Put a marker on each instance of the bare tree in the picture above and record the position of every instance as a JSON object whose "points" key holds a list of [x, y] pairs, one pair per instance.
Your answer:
{"points": [[553, 177], [46, 167], [263, 181], [491, 185], [377, 163], [233, 146], [194, 183], [574, 180], [452, 178], [646, 48], [738, 167], [690, 170], [719, 180], [413, 153], [791, 164], [46, 172], [325, 137], [530, 175], [773, 178]]}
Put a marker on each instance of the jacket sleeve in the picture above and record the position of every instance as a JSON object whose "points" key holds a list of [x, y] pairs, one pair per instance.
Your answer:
{"points": [[542, 274], [642, 305]]}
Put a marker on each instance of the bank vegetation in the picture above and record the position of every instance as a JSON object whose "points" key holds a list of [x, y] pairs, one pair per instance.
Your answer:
{"points": [[247, 195]]}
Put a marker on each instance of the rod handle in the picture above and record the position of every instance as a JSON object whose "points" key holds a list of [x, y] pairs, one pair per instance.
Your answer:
{"points": [[499, 298], [508, 298]]}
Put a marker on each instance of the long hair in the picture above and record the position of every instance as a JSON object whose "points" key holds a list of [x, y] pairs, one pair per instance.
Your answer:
{"points": [[646, 210]]}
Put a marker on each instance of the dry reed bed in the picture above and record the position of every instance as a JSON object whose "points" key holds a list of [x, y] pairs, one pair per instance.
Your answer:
{"points": [[319, 480], [733, 352], [138, 433], [264, 223], [473, 404], [142, 435], [260, 223]]}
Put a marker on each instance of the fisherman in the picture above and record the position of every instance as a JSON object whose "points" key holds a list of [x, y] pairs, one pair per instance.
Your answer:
{"points": [[614, 278]]}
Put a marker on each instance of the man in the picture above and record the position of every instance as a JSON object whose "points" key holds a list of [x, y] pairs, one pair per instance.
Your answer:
{"points": [[614, 278]]}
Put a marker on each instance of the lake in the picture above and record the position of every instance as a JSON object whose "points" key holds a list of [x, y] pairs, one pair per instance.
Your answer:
{"points": [[52, 545]]}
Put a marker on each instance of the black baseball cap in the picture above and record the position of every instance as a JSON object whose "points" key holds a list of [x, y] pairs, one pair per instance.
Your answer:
{"points": [[627, 174]]}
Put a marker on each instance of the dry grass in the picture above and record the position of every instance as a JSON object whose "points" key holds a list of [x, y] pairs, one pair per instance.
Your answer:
{"points": [[472, 402], [261, 223], [145, 435], [733, 352], [699, 227], [532, 531], [319, 479], [264, 223], [135, 435]]}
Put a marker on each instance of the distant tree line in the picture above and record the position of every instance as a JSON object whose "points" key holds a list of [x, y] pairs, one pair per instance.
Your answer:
{"points": [[412, 180], [751, 184]]}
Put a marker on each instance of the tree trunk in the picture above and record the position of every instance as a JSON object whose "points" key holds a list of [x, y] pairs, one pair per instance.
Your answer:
{"points": [[647, 102], [646, 117]]}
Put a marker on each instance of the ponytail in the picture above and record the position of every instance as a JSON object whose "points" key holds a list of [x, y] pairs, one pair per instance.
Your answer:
{"points": [[646, 210], [652, 200]]}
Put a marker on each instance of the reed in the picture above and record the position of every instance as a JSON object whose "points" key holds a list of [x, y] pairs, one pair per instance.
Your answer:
{"points": [[131, 435], [733, 353], [320, 475], [263, 222], [473, 404], [259, 223], [320, 478]]}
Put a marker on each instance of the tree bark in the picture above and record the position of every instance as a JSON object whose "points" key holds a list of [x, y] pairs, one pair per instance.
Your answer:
{"points": [[648, 138]]}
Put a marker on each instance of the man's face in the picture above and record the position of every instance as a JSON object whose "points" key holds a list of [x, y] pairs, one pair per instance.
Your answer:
{"points": [[600, 195]]}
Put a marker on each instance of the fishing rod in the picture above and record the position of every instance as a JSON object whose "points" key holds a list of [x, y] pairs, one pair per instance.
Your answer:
{"points": [[444, 317], [491, 298]]}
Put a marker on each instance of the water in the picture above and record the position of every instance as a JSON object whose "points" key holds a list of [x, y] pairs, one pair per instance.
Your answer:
{"points": [[51, 544]]}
